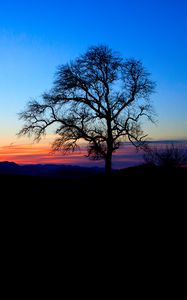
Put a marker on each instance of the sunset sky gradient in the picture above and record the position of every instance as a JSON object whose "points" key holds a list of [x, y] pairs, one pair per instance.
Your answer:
{"points": [[30, 154], [37, 36]]}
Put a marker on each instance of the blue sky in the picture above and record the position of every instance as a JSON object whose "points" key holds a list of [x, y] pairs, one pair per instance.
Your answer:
{"points": [[37, 36]]}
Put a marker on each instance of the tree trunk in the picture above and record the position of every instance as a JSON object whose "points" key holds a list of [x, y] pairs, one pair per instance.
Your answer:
{"points": [[108, 159], [108, 163]]}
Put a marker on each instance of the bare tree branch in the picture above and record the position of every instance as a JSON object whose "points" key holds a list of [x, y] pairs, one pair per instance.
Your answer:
{"points": [[100, 97]]}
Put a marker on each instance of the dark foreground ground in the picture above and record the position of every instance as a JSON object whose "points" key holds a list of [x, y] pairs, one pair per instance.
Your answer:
{"points": [[136, 208], [138, 183]]}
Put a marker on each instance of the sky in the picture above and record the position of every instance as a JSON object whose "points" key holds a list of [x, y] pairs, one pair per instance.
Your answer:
{"points": [[37, 36]]}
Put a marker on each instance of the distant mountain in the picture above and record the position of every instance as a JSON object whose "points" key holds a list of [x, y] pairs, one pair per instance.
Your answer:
{"points": [[7, 167], [49, 170]]}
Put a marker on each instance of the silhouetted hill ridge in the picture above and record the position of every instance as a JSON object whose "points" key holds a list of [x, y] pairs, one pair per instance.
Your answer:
{"points": [[139, 184], [49, 170]]}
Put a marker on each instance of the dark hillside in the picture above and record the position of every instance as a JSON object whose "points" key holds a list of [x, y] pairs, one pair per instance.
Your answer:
{"points": [[140, 201], [141, 183]]}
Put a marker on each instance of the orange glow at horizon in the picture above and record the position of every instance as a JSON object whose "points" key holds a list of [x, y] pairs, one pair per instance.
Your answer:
{"points": [[41, 154], [35, 154]]}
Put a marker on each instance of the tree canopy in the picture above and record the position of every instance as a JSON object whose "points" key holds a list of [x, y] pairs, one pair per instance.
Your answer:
{"points": [[99, 97]]}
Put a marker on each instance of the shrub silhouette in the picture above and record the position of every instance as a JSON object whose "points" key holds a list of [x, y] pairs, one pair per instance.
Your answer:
{"points": [[171, 156]]}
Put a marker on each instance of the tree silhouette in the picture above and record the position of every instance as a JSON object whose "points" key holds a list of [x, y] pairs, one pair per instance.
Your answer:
{"points": [[99, 97]]}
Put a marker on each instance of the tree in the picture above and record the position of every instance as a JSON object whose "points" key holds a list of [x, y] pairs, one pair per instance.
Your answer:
{"points": [[99, 97], [170, 157]]}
